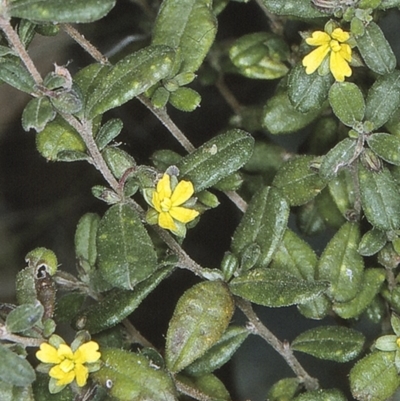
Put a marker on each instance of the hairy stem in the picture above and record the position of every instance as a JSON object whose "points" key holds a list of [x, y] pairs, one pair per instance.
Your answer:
{"points": [[25, 341], [283, 349]]}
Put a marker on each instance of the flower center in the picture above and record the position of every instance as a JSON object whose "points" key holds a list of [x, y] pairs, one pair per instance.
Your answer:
{"points": [[67, 365], [334, 45], [166, 204]]}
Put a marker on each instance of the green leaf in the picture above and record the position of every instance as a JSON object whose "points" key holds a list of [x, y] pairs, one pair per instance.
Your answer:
{"points": [[41, 391], [341, 264], [347, 102], [275, 288], [12, 393], [126, 254], [68, 306], [23, 317], [380, 198], [297, 181], [189, 26], [56, 137], [328, 210], [109, 131], [14, 369], [334, 343], [385, 146], [339, 156], [293, 8], [295, 256], [284, 389], [263, 223], [37, 113], [15, 74], [281, 117], [372, 242], [321, 395], [117, 304], [220, 353], [369, 288], [216, 159], [60, 11], [374, 378], [308, 91], [85, 238], [210, 385], [130, 77], [118, 160], [185, 99], [317, 308], [129, 376], [375, 50], [201, 316], [383, 99], [342, 190]]}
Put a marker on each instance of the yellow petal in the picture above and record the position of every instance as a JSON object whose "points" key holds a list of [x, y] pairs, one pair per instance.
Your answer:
{"points": [[48, 354], [156, 202], [318, 38], [164, 187], [345, 51], [64, 351], [66, 365], [63, 378], [81, 374], [339, 67], [183, 214], [314, 59], [340, 35], [183, 191], [87, 353], [165, 221]]}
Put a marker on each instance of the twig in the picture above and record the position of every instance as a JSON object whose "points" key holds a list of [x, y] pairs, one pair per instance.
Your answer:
{"points": [[228, 95], [16, 44], [25, 341], [274, 22], [136, 336], [283, 349]]}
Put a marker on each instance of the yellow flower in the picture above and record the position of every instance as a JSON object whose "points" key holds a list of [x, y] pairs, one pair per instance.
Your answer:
{"points": [[69, 365], [168, 202], [333, 44]]}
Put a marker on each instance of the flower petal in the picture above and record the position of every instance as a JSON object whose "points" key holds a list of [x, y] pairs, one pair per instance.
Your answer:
{"points": [[48, 354], [340, 35], [81, 373], [314, 59], [164, 187], [66, 365], [339, 67], [183, 214], [345, 51], [318, 38], [165, 221], [62, 377], [87, 353], [183, 191], [156, 202], [65, 351]]}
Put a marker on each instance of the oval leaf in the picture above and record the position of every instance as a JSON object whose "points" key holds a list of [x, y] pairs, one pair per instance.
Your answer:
{"points": [[386, 146], [60, 11], [341, 264], [263, 223], [187, 25], [126, 254], [372, 242], [216, 159], [15, 74], [333, 343], [321, 395], [275, 288], [200, 318], [37, 113], [24, 317], [294, 8], [297, 181], [85, 238], [380, 198], [130, 77]]}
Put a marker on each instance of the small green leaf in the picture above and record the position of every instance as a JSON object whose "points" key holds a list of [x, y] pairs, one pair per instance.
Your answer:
{"points": [[317, 308], [284, 389], [209, 385], [23, 317], [333, 343], [15, 74], [385, 146], [14, 369], [374, 378], [68, 306], [293, 8], [85, 238], [185, 99], [118, 160], [109, 131], [216, 159], [308, 91], [380, 198], [41, 391], [126, 254], [130, 77], [281, 117], [12, 393], [347, 102], [187, 25], [129, 376], [201, 316], [375, 50], [275, 288], [372, 242], [117, 304], [383, 99], [37, 113], [297, 181], [369, 288], [341, 264], [342, 189], [60, 11], [321, 395], [263, 223], [220, 353]]}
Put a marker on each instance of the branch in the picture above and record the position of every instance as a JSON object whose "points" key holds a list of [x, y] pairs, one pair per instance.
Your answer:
{"points": [[274, 22], [256, 327], [25, 341]]}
